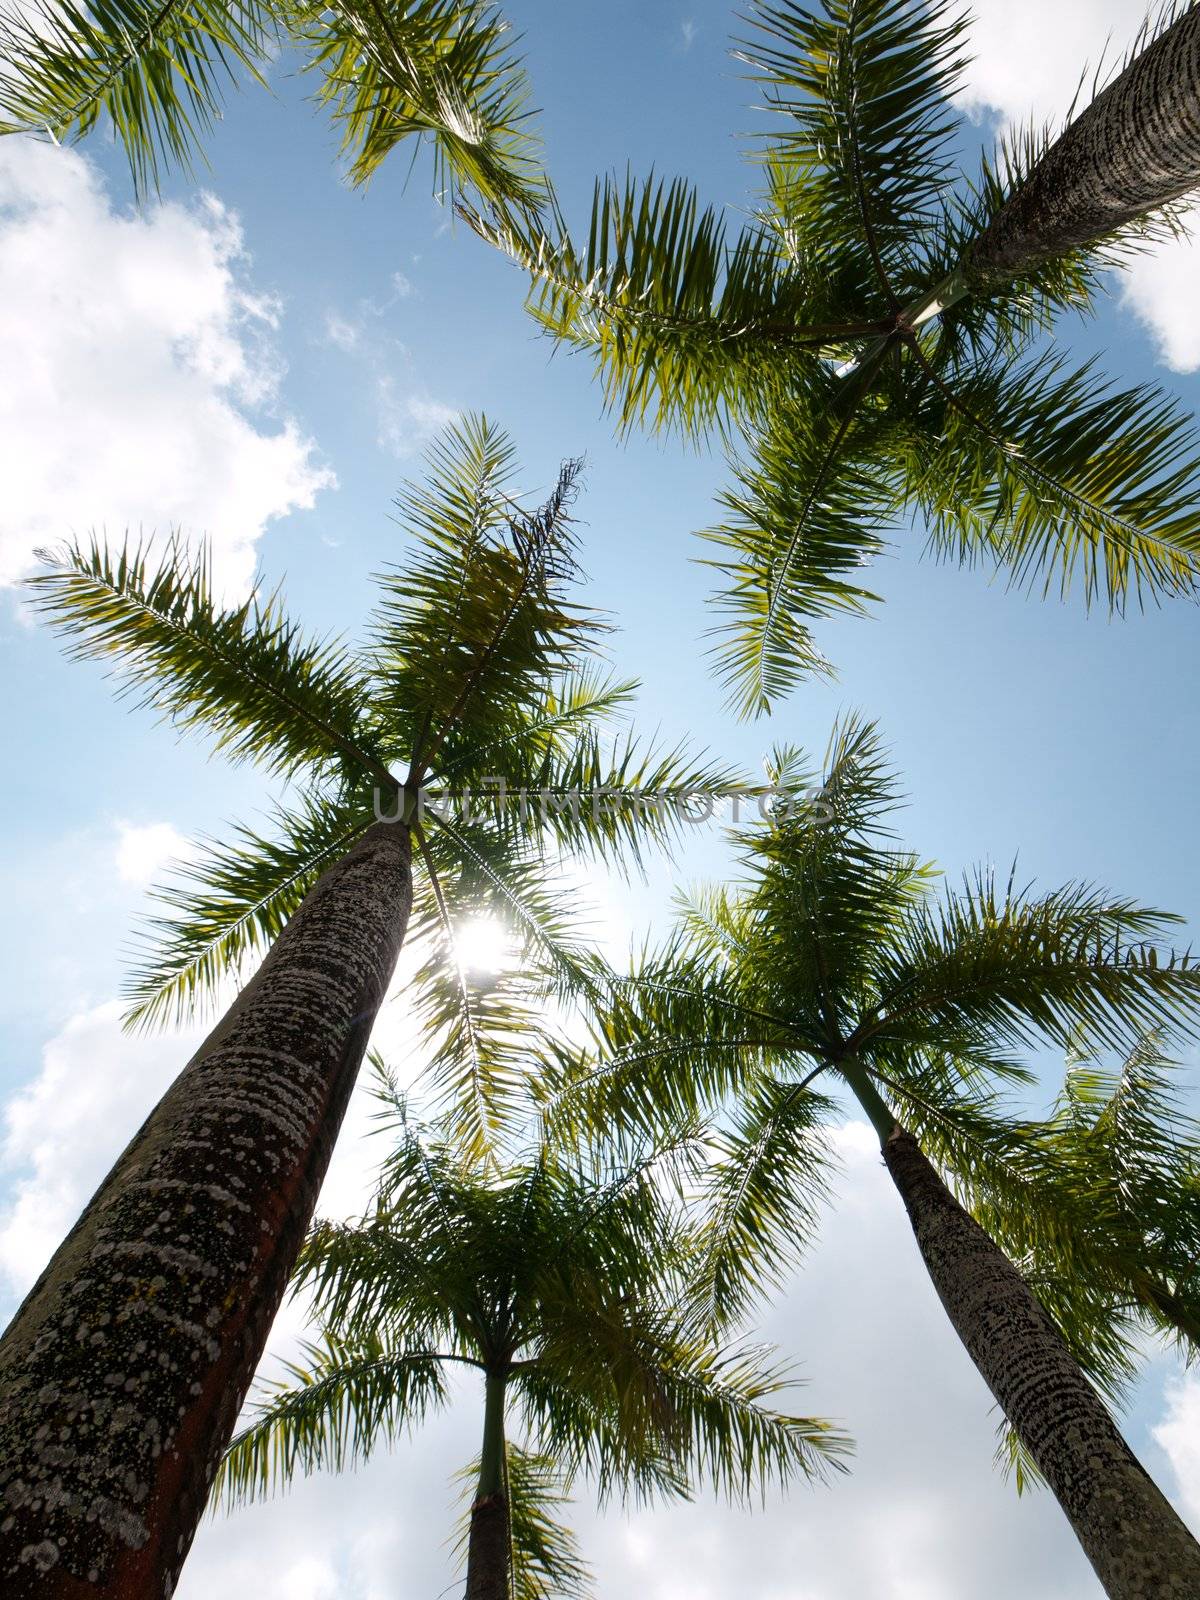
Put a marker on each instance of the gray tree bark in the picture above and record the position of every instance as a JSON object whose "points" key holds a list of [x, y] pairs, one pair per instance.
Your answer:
{"points": [[488, 1549], [123, 1372], [1137, 1544], [1133, 150]]}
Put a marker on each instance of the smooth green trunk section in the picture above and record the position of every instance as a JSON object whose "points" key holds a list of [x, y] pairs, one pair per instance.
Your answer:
{"points": [[868, 1097], [491, 1460], [489, 1546], [953, 288]]}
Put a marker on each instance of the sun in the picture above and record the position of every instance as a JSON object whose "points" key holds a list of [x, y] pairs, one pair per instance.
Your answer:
{"points": [[482, 945]]}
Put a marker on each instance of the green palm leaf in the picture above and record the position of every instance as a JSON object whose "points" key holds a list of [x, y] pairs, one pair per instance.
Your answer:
{"points": [[435, 71], [998, 962], [156, 72], [762, 1197], [685, 326], [469, 630], [227, 904], [860, 92], [1062, 478], [343, 1401], [245, 674], [808, 510], [440, 71]]}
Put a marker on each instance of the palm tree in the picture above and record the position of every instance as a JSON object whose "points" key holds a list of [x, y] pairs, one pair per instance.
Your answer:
{"points": [[155, 72], [1134, 148], [1112, 1245], [837, 963], [871, 328], [477, 663], [560, 1283]]}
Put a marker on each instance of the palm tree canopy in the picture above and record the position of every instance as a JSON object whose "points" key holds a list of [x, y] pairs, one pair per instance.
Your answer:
{"points": [[477, 663], [837, 959], [439, 71], [837, 337], [561, 1275]]}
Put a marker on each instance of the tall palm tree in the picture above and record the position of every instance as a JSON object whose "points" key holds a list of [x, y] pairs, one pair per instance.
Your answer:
{"points": [[1112, 1247], [561, 1283], [477, 663], [836, 963], [871, 328], [155, 73]]}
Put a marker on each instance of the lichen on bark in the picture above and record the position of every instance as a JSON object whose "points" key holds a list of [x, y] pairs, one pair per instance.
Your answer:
{"points": [[122, 1374], [1136, 1542]]}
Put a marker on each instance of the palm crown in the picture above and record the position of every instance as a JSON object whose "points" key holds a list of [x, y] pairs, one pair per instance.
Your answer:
{"points": [[851, 330], [477, 665], [837, 962], [560, 1280], [439, 71]]}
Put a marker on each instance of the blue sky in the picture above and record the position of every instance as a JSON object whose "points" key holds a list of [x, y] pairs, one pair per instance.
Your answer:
{"points": [[265, 364]]}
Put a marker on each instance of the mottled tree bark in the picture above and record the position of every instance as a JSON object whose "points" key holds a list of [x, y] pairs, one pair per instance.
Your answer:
{"points": [[1134, 149], [122, 1374], [1135, 1541], [488, 1549]]}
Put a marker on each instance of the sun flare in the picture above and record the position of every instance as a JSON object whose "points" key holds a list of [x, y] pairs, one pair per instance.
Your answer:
{"points": [[482, 945]]}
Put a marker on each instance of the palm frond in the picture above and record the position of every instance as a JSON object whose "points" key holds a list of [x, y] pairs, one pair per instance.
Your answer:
{"points": [[155, 70], [585, 699], [684, 325], [615, 799], [438, 71], [245, 673], [228, 903], [996, 961], [342, 1402], [761, 1198], [1015, 1461], [807, 511], [670, 1043], [860, 93], [724, 1426], [475, 623], [486, 1030], [1062, 479], [490, 876]]}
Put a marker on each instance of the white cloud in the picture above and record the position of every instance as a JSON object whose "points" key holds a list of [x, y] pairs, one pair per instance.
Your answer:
{"points": [[63, 1129], [347, 332], [407, 422], [67, 1127], [144, 849], [406, 417], [1159, 287], [341, 332], [687, 32], [137, 357], [1028, 61], [1029, 58], [1179, 1436]]}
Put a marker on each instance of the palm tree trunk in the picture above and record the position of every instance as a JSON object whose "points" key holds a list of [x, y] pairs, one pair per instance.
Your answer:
{"points": [[1133, 1538], [122, 1374], [489, 1545], [1134, 149]]}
